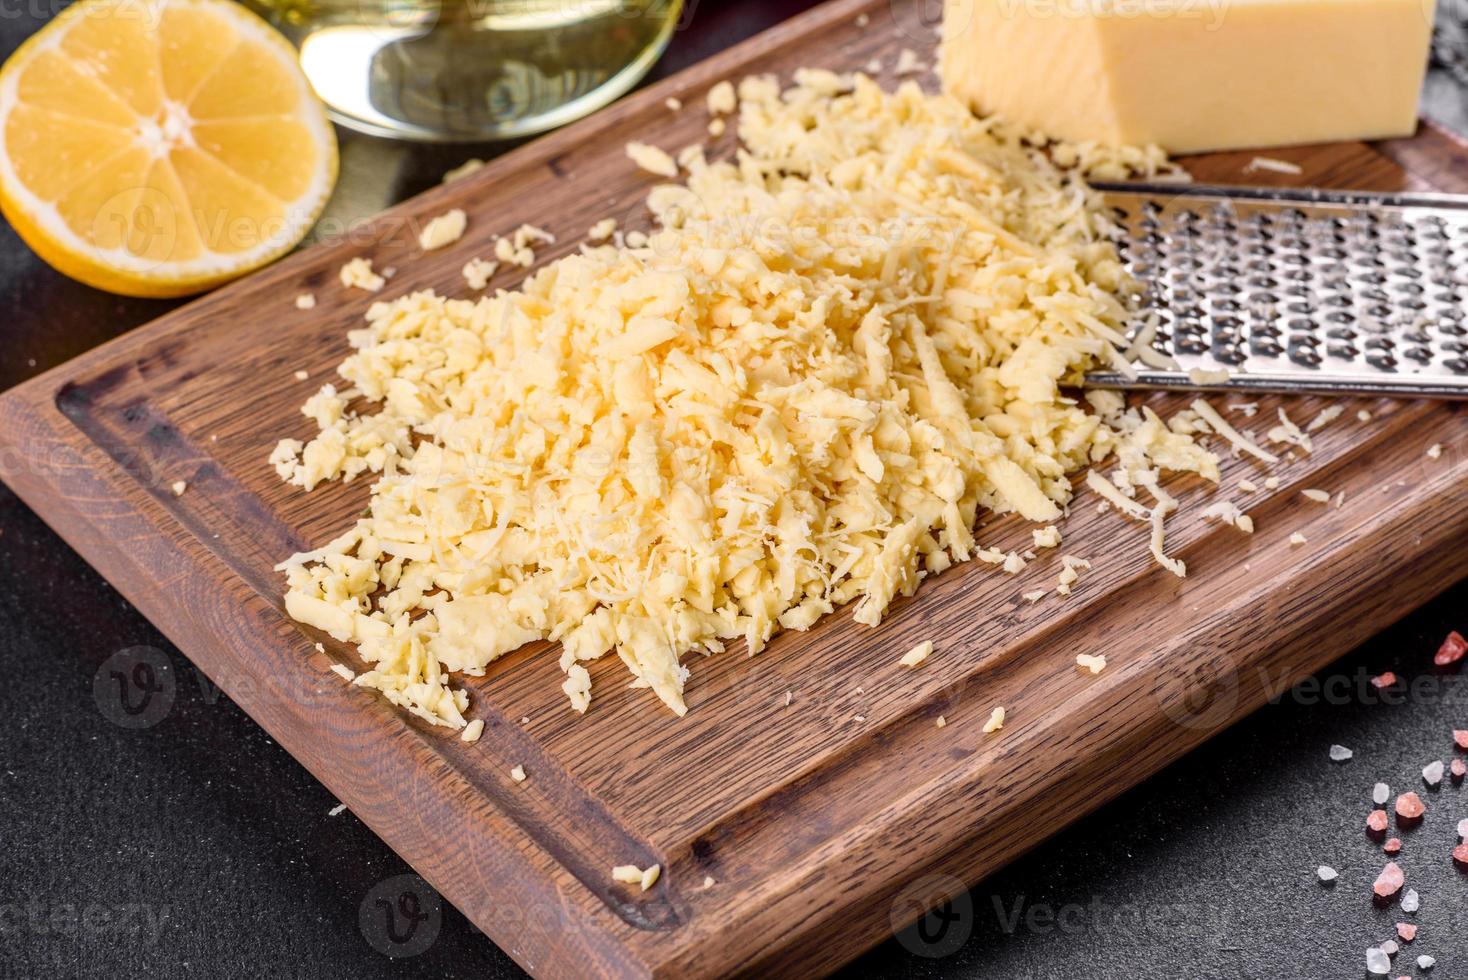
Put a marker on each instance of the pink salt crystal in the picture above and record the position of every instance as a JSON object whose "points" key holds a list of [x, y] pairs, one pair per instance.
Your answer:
{"points": [[1384, 680], [1460, 854], [1409, 806], [1392, 846], [1376, 822], [1390, 881], [1460, 736], [1463, 827], [1407, 931], [1458, 769]]}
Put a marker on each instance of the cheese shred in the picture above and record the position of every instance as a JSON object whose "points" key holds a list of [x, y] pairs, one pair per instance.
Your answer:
{"points": [[829, 357]]}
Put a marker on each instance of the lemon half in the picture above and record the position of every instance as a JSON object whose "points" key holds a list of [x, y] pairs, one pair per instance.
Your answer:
{"points": [[160, 147]]}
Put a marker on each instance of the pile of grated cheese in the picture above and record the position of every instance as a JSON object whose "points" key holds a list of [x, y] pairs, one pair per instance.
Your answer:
{"points": [[829, 356]]}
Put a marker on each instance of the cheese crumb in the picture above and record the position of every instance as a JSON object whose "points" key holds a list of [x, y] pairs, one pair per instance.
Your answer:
{"points": [[673, 103], [1248, 486], [708, 881], [518, 774], [652, 159], [602, 230], [1047, 537], [629, 874], [306, 301], [1068, 573], [462, 170], [789, 696], [1271, 483], [1277, 166], [1435, 451], [995, 722], [178, 487], [443, 230], [1363, 416], [917, 654], [716, 128], [1319, 496], [650, 876], [1094, 664], [344, 672], [1297, 538], [1289, 433], [721, 98], [1229, 513], [477, 272], [358, 274], [1205, 378], [302, 375], [1221, 426], [1034, 596], [908, 63], [578, 688], [862, 20], [941, 722], [472, 731], [1327, 415]]}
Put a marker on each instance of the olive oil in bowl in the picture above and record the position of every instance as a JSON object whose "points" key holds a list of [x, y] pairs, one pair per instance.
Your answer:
{"points": [[464, 70]]}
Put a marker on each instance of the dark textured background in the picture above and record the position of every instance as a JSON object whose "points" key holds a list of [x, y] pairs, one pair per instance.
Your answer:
{"points": [[198, 847]]}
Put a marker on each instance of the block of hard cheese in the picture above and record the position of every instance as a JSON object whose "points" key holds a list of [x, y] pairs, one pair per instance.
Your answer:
{"points": [[1192, 75]]}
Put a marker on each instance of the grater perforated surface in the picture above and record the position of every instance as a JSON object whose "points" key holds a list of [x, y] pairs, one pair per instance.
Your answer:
{"points": [[1298, 290]]}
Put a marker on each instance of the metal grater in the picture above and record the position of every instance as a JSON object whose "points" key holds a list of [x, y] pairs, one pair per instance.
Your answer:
{"points": [[1298, 290]]}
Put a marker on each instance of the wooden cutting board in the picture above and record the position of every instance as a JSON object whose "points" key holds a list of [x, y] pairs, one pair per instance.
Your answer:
{"points": [[811, 818]]}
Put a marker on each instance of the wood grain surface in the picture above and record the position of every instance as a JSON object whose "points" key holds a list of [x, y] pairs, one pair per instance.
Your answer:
{"points": [[824, 823]]}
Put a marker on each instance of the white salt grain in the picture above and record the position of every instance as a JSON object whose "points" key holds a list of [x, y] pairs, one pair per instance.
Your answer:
{"points": [[1380, 793], [1426, 962], [1411, 901], [1463, 827], [1339, 753], [1390, 947], [1377, 962], [1326, 873], [337, 810], [1432, 773]]}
